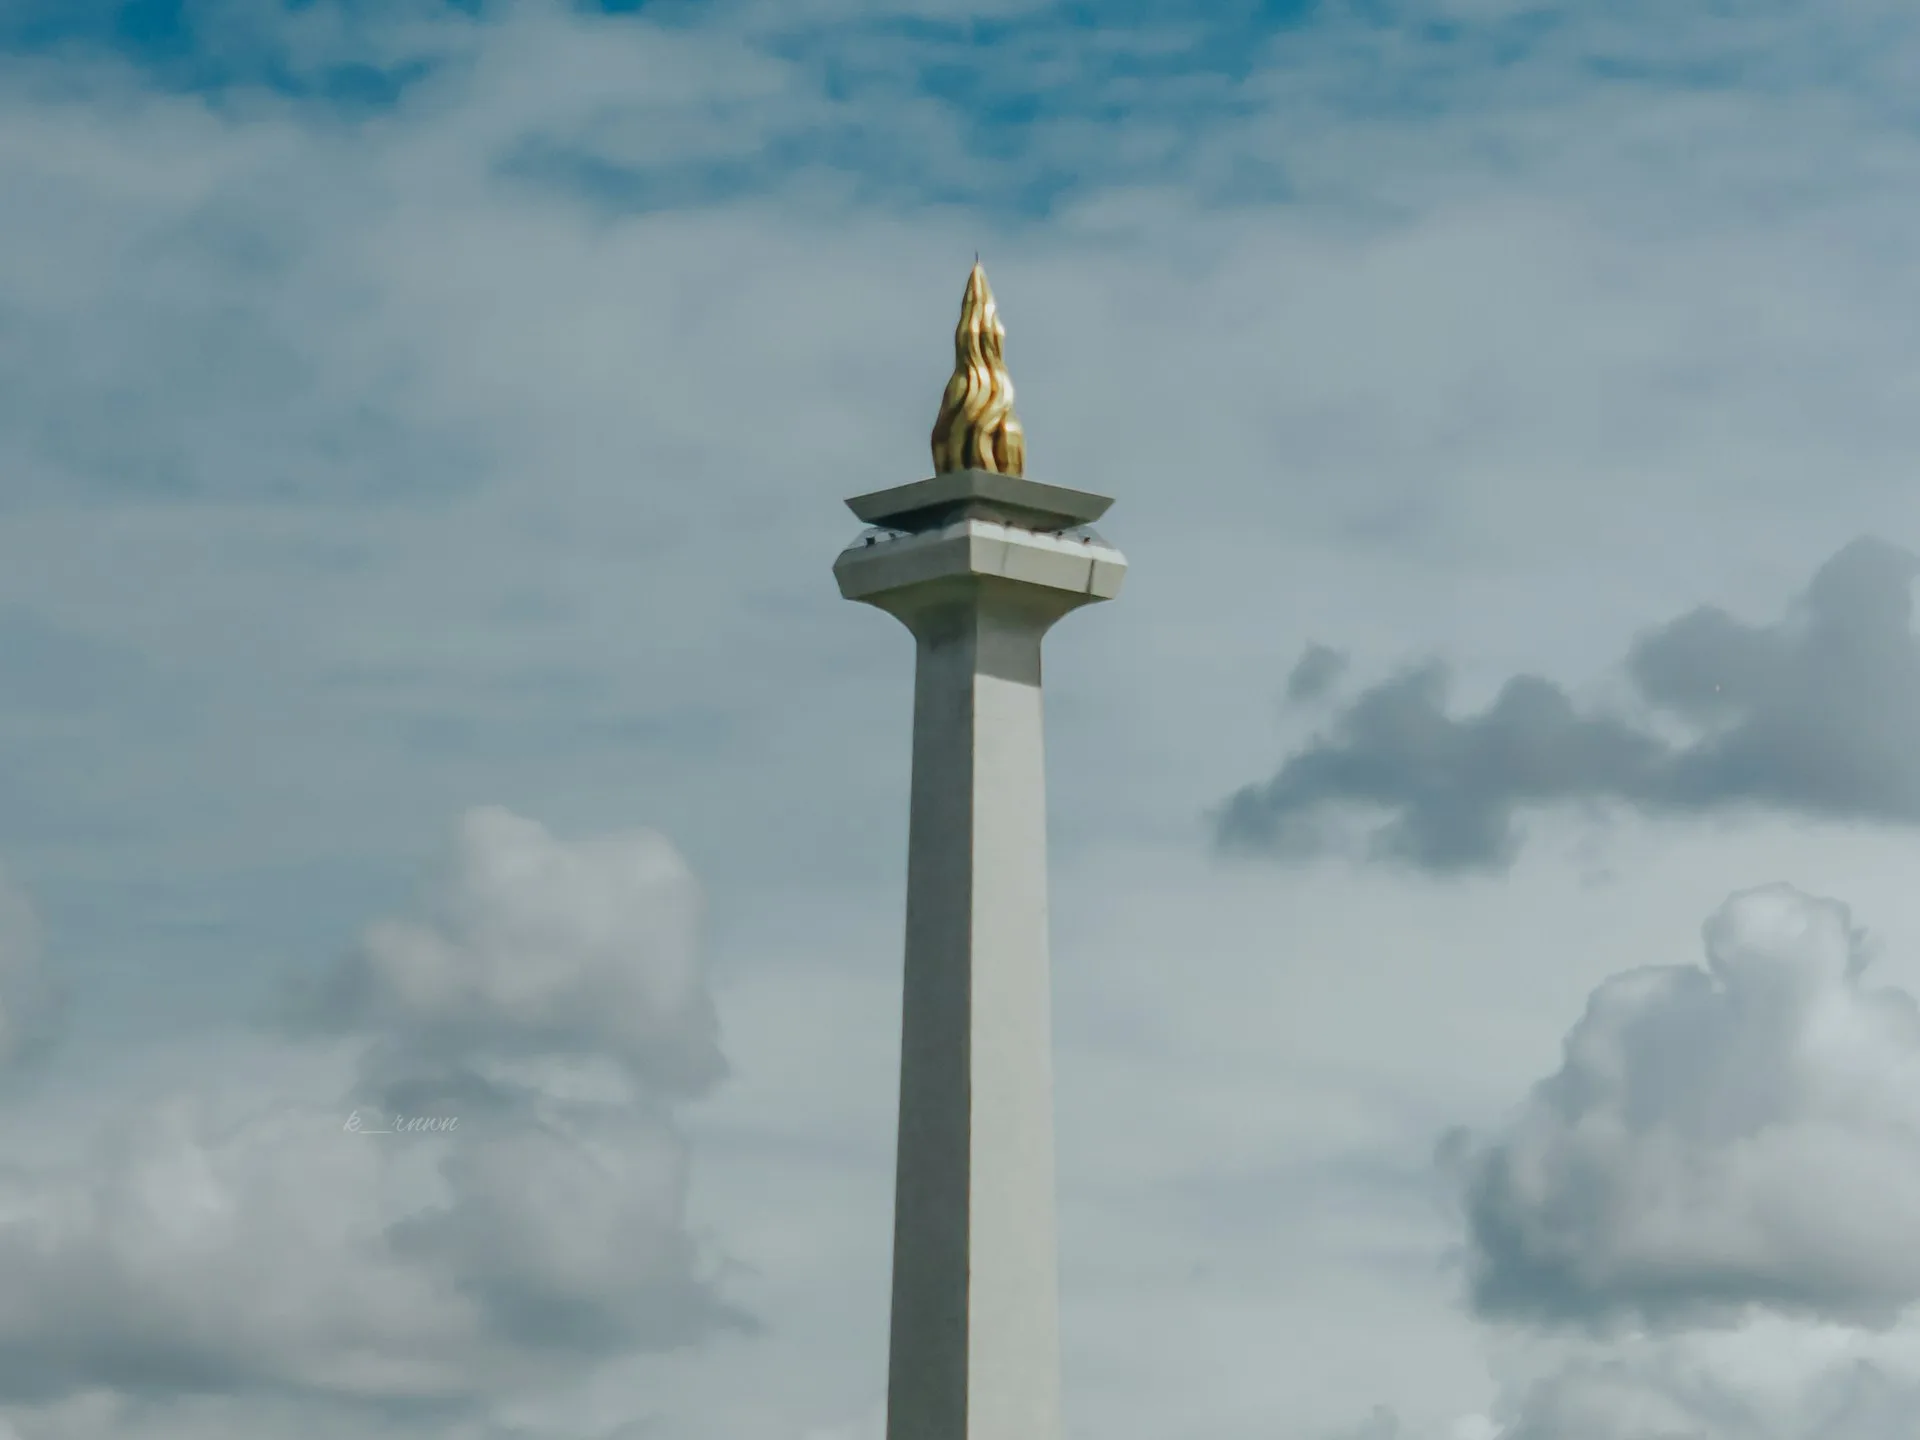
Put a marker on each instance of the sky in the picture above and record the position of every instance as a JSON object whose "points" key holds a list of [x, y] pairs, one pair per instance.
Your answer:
{"points": [[452, 832]]}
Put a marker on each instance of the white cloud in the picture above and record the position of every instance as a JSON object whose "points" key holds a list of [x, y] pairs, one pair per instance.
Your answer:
{"points": [[528, 945], [1747, 1134], [1773, 1380], [569, 1232], [179, 1258], [208, 1245]]}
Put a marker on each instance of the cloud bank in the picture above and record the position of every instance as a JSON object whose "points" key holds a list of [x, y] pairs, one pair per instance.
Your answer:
{"points": [[1811, 715], [495, 1195], [1673, 1394], [1759, 1386]]}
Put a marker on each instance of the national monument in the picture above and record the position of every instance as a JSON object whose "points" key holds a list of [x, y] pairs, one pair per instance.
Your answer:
{"points": [[977, 562]]}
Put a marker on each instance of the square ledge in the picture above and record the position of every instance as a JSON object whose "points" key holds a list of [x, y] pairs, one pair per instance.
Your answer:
{"points": [[979, 495]]}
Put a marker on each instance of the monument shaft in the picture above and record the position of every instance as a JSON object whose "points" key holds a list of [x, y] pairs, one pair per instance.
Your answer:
{"points": [[975, 1333], [975, 1347]]}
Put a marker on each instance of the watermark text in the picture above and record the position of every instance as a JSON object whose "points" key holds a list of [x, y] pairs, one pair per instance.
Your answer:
{"points": [[363, 1124]]}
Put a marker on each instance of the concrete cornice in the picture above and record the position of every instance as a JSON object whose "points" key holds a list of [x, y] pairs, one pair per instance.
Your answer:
{"points": [[979, 494], [1086, 569]]}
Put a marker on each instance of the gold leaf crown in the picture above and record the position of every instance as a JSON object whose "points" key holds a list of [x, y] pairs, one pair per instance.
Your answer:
{"points": [[976, 428]]}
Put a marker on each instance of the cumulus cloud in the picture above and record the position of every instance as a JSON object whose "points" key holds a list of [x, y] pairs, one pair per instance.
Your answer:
{"points": [[1669, 1398], [522, 1214], [179, 1259], [1775, 1381], [526, 945], [1810, 715], [567, 1232], [1718, 1140]]}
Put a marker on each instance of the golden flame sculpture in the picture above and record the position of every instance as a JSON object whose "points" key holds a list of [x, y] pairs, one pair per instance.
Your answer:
{"points": [[977, 429]]}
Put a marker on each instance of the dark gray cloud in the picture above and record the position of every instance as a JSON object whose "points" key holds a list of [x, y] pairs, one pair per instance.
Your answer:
{"points": [[1314, 674], [1813, 714], [1451, 785]]}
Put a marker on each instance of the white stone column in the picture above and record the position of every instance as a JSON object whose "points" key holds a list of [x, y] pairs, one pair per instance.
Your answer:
{"points": [[975, 1334]]}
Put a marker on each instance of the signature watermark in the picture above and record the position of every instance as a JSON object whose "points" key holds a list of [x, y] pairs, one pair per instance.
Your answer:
{"points": [[358, 1124]]}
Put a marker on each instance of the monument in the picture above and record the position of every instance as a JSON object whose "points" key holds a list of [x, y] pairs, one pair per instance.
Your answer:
{"points": [[977, 562]]}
